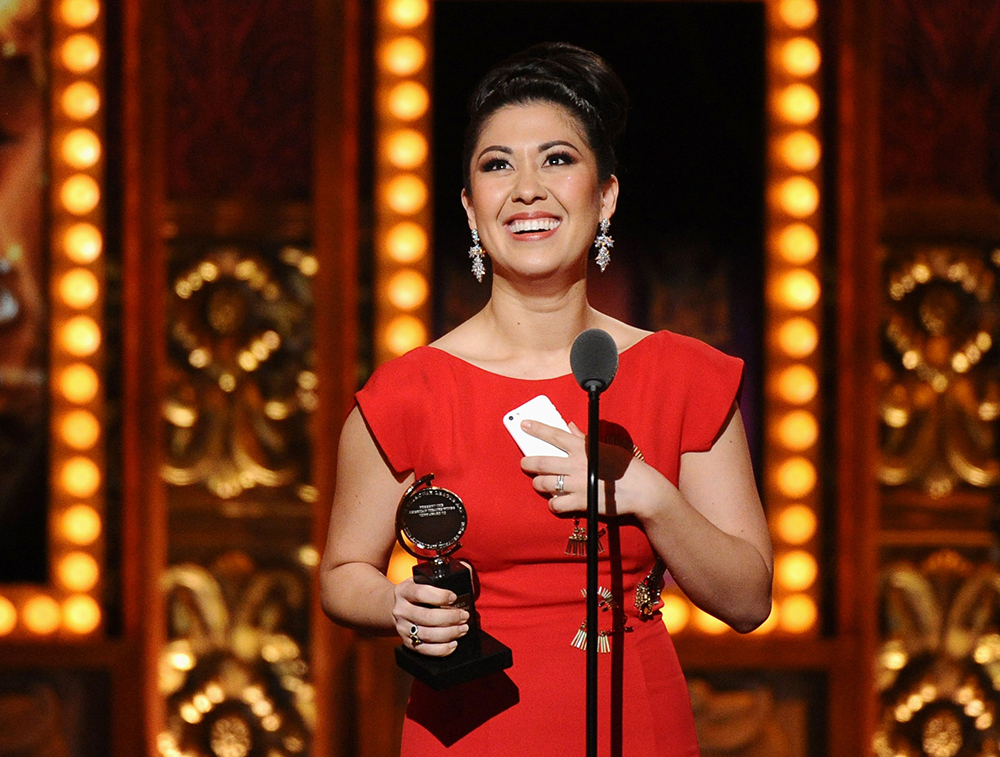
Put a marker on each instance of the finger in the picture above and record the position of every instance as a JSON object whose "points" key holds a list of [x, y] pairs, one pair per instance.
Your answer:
{"points": [[430, 635], [542, 464], [432, 617], [547, 433], [435, 650], [567, 503], [425, 594], [575, 430]]}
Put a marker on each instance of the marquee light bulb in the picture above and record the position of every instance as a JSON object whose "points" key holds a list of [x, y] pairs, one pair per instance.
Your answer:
{"points": [[81, 100], [81, 53], [406, 242]]}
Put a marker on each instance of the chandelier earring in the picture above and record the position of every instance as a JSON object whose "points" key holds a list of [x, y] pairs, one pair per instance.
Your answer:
{"points": [[477, 254], [604, 243]]}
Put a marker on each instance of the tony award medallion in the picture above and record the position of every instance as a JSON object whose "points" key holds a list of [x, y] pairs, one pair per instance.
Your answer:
{"points": [[429, 523]]}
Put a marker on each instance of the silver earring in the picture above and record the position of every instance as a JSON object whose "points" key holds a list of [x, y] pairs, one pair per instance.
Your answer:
{"points": [[604, 243], [477, 255]]}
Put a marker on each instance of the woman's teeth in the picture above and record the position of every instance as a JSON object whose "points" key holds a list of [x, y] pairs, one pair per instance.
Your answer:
{"points": [[532, 224]]}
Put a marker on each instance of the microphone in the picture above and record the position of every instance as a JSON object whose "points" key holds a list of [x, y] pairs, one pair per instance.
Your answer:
{"points": [[594, 360]]}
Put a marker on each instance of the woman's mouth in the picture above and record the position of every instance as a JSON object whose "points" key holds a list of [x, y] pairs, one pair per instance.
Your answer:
{"points": [[532, 225]]}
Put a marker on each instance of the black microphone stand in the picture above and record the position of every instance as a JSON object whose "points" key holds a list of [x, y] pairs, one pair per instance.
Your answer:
{"points": [[593, 450]]}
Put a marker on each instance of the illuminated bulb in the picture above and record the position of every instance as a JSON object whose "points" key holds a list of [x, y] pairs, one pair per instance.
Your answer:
{"points": [[80, 336], [798, 337], [798, 430], [79, 288], [798, 613], [406, 242], [404, 333], [708, 623], [796, 477], [800, 150], [676, 613], [80, 477], [406, 148], [795, 571], [798, 104], [404, 56], [796, 524], [80, 429], [80, 53], [407, 13], [798, 243], [798, 196], [798, 290], [8, 616], [81, 148], [80, 524], [800, 56], [407, 290], [406, 194], [82, 243], [770, 623], [798, 14], [408, 101], [797, 384], [79, 12], [80, 194], [78, 571], [81, 100], [78, 383], [41, 614]]}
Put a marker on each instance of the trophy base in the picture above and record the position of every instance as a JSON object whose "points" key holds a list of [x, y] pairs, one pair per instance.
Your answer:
{"points": [[459, 667]]}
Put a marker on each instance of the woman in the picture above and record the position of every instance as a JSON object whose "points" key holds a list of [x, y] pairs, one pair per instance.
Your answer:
{"points": [[678, 484]]}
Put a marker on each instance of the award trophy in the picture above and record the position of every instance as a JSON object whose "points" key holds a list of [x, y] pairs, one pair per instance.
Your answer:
{"points": [[429, 522]]}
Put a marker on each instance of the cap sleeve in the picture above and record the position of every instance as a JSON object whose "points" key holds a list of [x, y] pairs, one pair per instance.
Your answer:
{"points": [[714, 380], [391, 403]]}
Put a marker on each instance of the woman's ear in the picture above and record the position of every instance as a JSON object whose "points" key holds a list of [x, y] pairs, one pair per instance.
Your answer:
{"points": [[609, 197], [469, 212]]}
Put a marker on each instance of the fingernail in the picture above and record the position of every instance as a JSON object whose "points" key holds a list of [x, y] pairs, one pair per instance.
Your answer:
{"points": [[525, 424], [452, 598], [452, 644], [464, 616], [463, 629]]}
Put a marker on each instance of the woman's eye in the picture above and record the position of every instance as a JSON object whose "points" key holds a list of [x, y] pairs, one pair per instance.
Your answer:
{"points": [[496, 164], [559, 159]]}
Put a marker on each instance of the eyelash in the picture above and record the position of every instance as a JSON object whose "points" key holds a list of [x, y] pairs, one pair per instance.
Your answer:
{"points": [[564, 158], [556, 158]]}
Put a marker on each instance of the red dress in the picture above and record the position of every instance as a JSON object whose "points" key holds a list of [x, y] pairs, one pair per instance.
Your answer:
{"points": [[434, 413]]}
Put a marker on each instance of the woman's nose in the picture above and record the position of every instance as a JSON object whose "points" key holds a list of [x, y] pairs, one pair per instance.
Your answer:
{"points": [[528, 186]]}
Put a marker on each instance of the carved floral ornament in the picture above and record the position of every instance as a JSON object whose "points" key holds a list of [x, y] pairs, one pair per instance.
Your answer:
{"points": [[940, 393]]}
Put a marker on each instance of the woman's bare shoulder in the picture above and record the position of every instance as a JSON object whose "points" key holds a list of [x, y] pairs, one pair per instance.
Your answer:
{"points": [[624, 334]]}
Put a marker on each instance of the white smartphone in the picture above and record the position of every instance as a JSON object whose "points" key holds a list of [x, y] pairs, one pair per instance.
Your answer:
{"points": [[540, 409]]}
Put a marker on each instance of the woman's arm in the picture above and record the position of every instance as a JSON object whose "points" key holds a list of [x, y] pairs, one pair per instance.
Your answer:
{"points": [[710, 530], [353, 588]]}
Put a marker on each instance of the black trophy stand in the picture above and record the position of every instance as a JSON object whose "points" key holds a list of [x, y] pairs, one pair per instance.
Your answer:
{"points": [[594, 359]]}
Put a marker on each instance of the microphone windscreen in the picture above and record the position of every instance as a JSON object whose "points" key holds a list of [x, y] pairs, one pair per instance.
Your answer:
{"points": [[594, 359]]}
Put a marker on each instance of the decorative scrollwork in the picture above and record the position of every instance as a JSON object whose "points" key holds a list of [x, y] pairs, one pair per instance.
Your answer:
{"points": [[747, 721]]}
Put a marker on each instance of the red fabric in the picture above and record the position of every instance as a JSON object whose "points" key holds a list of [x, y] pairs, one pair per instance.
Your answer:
{"points": [[433, 413]]}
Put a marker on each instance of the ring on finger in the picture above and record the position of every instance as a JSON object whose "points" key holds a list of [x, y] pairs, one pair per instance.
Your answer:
{"points": [[560, 484], [415, 639]]}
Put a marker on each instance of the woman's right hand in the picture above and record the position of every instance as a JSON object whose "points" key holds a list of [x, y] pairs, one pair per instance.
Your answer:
{"points": [[424, 619]]}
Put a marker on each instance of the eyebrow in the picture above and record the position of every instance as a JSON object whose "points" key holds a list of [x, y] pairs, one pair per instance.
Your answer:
{"points": [[541, 148]]}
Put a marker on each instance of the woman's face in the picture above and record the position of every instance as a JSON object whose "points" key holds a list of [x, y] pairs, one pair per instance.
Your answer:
{"points": [[536, 198]]}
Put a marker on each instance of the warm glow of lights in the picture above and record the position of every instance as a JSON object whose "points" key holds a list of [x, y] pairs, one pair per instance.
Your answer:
{"points": [[78, 571], [81, 614], [400, 566], [708, 623], [406, 194], [798, 196], [796, 524], [79, 288], [798, 290], [408, 101], [407, 14], [406, 242], [79, 12], [80, 194], [406, 148], [404, 56], [798, 430], [8, 616], [798, 14], [81, 148], [771, 623], [404, 333], [80, 429], [80, 336], [798, 243], [798, 104], [798, 613], [80, 53], [795, 571], [81, 100], [80, 524], [82, 243], [800, 56], [80, 477], [41, 614], [407, 290], [797, 384], [796, 477], [78, 383], [798, 337], [800, 150], [676, 613]]}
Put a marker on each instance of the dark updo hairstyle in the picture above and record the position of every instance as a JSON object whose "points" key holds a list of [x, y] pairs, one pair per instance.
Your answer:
{"points": [[560, 73]]}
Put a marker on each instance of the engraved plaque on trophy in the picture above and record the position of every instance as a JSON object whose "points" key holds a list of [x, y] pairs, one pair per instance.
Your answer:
{"points": [[429, 523]]}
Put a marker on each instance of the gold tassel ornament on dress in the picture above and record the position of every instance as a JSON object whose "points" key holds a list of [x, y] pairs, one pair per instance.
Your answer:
{"points": [[605, 603], [576, 546]]}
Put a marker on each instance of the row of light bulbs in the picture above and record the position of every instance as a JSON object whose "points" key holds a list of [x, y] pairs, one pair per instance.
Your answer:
{"points": [[69, 604]]}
